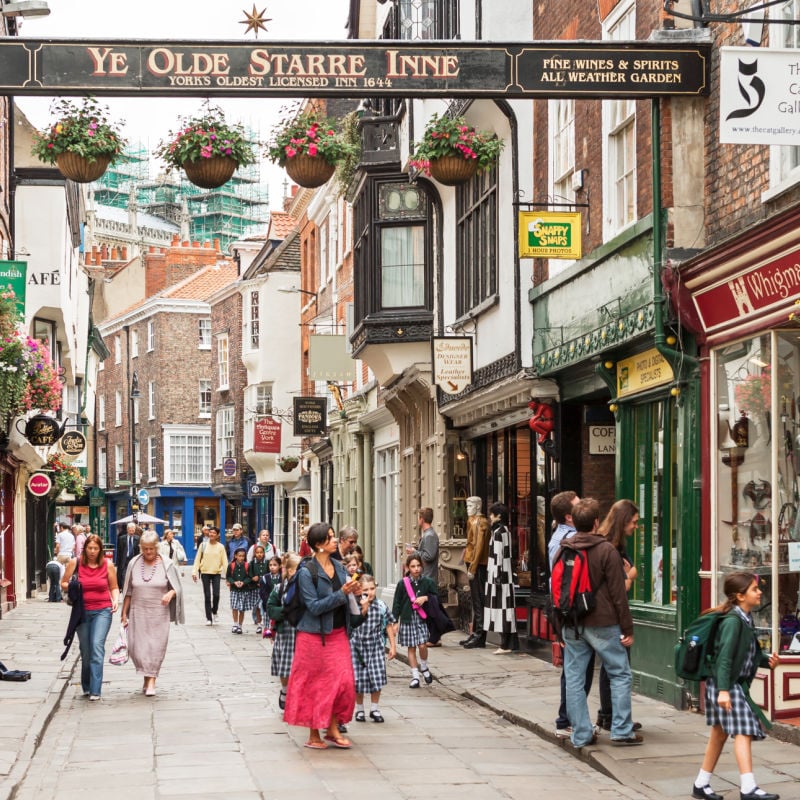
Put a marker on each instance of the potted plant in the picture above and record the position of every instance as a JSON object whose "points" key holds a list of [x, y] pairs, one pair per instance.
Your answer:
{"points": [[82, 142], [452, 151], [308, 147], [288, 463], [207, 148], [66, 478]]}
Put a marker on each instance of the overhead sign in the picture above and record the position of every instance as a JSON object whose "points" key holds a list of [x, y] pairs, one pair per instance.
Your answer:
{"points": [[72, 444], [12, 273], [353, 69], [310, 416], [267, 435], [143, 497], [759, 102], [39, 484], [452, 363], [642, 372], [328, 359], [550, 234]]}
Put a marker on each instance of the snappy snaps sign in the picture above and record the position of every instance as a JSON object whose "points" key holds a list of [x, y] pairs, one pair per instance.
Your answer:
{"points": [[550, 234]]}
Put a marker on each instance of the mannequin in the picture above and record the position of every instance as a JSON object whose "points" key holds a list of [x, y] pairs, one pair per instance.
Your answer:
{"points": [[476, 555]]}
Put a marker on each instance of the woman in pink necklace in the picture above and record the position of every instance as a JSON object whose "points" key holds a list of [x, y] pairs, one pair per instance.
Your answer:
{"points": [[152, 598]]}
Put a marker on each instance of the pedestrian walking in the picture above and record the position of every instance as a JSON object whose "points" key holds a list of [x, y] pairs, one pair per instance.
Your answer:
{"points": [[258, 566], [65, 543], [321, 689], [266, 583], [236, 540], [410, 596], [368, 647], [285, 632], [270, 550], [210, 563], [152, 597], [240, 583], [98, 579], [500, 613], [171, 549], [79, 532], [729, 709], [127, 548]]}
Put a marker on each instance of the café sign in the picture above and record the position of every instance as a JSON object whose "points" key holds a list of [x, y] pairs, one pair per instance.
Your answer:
{"points": [[549, 234], [406, 69]]}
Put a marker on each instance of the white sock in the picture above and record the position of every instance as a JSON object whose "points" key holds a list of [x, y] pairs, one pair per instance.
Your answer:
{"points": [[703, 779], [374, 707], [423, 665], [415, 673], [359, 708], [748, 782]]}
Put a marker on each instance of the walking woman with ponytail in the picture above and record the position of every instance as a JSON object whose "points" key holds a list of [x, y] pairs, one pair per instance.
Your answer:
{"points": [[729, 708]]}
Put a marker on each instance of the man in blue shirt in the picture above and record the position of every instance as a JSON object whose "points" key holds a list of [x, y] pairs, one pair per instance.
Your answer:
{"points": [[237, 540]]}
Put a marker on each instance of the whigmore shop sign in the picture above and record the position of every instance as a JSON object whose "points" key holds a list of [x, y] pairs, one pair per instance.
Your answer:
{"points": [[475, 69]]}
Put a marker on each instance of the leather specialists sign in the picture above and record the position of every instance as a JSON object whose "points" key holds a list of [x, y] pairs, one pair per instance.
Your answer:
{"points": [[474, 69]]}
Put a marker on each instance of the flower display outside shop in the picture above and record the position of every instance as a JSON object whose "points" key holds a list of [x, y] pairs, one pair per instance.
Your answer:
{"points": [[752, 394], [205, 136], [288, 463], [28, 379], [66, 478], [84, 130], [447, 137], [311, 135]]}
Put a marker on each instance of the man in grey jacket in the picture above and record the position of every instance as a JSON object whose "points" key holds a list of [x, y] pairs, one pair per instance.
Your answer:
{"points": [[428, 548]]}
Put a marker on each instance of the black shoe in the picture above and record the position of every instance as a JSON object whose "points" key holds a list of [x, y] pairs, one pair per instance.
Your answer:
{"points": [[478, 641], [637, 726], [360, 716], [342, 728], [705, 793], [467, 640], [376, 716], [755, 795], [604, 722]]}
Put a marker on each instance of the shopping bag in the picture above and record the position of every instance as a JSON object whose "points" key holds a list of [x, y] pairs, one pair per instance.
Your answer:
{"points": [[119, 652]]}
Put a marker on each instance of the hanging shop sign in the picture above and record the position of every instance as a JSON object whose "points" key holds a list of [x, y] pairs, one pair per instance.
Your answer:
{"points": [[228, 467], [72, 444], [550, 234], [315, 69], [642, 372], [758, 96], [329, 358], [12, 273], [39, 484], [452, 363], [267, 436], [41, 430], [310, 416]]}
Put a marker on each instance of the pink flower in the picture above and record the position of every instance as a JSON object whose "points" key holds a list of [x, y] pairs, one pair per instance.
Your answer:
{"points": [[312, 149], [290, 151]]}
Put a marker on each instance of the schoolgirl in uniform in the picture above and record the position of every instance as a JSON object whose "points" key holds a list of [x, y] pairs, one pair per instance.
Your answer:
{"points": [[729, 711], [258, 566], [368, 649], [412, 631], [242, 597], [283, 642]]}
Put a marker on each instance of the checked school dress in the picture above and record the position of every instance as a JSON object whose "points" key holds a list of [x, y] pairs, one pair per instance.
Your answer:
{"points": [[741, 720], [413, 631], [367, 647], [283, 643]]}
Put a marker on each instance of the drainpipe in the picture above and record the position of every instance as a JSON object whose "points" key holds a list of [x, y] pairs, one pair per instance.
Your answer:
{"points": [[678, 360]]}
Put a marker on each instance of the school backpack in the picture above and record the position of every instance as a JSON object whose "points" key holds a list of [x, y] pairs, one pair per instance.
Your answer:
{"points": [[293, 605], [696, 650], [572, 595]]}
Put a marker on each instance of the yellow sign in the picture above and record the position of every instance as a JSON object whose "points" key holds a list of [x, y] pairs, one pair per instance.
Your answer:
{"points": [[549, 234], [642, 372]]}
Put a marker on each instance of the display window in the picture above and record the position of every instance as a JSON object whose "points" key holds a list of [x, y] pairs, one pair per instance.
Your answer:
{"points": [[756, 391]]}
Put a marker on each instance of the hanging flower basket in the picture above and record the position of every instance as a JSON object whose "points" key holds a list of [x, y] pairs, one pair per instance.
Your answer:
{"points": [[452, 170], [207, 148], [79, 169], [309, 147], [309, 172], [210, 173], [82, 142], [288, 463]]}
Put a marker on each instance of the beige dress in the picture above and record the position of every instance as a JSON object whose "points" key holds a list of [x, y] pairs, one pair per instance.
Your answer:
{"points": [[148, 620]]}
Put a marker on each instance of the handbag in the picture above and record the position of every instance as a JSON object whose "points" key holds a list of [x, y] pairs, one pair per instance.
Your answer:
{"points": [[119, 652]]}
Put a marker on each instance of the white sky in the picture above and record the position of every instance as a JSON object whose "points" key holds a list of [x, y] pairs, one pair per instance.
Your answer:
{"points": [[150, 119]]}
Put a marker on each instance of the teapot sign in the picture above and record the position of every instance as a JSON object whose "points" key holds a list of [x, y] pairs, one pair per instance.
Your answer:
{"points": [[41, 430]]}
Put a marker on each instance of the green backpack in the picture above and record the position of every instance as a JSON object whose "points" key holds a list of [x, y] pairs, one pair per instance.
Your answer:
{"points": [[696, 649]]}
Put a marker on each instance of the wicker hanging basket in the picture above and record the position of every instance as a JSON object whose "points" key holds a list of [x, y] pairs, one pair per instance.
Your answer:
{"points": [[78, 169], [210, 173], [309, 171], [453, 170]]}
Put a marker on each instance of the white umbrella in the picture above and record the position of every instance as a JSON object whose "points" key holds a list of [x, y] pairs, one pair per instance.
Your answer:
{"points": [[146, 518]]}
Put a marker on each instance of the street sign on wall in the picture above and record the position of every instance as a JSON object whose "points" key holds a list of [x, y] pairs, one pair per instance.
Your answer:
{"points": [[348, 69]]}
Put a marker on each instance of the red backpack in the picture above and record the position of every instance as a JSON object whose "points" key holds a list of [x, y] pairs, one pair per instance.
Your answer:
{"points": [[572, 596]]}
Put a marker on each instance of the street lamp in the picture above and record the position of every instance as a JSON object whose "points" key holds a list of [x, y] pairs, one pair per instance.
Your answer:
{"points": [[134, 395], [297, 290], [25, 8]]}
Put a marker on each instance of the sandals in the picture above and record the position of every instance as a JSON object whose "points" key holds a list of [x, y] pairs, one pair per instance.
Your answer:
{"points": [[338, 741], [312, 744], [360, 716]]}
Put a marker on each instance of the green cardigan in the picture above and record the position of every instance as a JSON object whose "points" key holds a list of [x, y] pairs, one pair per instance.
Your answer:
{"points": [[401, 606], [733, 642]]}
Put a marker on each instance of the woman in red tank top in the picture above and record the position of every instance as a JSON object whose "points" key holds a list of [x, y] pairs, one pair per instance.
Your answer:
{"points": [[98, 579]]}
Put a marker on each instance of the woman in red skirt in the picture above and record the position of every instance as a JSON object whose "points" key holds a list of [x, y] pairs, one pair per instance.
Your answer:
{"points": [[321, 690]]}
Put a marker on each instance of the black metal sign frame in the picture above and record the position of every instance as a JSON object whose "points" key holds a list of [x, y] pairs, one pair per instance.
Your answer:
{"points": [[355, 68]]}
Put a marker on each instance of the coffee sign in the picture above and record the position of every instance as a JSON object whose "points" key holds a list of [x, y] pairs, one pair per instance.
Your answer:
{"points": [[72, 444]]}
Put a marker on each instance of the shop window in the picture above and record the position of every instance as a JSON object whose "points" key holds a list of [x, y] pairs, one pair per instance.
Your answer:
{"points": [[654, 546], [757, 494]]}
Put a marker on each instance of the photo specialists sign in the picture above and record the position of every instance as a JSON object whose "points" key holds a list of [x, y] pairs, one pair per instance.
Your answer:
{"points": [[641, 372], [549, 234], [315, 69], [310, 416], [759, 96], [452, 363]]}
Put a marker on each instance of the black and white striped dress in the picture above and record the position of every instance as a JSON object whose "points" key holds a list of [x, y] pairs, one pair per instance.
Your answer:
{"points": [[499, 612]]}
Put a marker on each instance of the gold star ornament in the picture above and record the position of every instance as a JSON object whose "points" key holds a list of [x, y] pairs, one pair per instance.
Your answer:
{"points": [[255, 20]]}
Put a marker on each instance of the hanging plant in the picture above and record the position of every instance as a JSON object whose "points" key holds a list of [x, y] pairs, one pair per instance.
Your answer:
{"points": [[208, 148], [348, 163], [82, 142], [288, 463], [66, 478], [452, 151], [309, 146]]}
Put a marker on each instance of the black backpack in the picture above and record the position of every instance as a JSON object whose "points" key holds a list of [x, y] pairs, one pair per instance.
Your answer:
{"points": [[293, 605], [696, 650], [571, 589]]}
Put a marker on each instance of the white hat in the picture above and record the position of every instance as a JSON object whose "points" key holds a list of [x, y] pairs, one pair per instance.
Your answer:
{"points": [[236, 526]]}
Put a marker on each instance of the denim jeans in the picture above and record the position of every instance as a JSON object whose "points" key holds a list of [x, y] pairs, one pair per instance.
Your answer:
{"points": [[210, 586], [53, 572], [562, 720], [577, 651], [92, 634]]}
